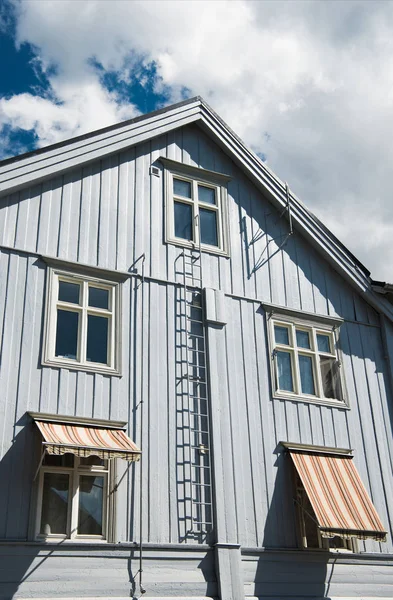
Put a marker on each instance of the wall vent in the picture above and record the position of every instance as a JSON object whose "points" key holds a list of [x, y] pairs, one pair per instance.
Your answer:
{"points": [[155, 171]]}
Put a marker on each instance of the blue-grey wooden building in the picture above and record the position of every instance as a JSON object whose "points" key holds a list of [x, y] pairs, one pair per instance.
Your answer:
{"points": [[162, 290]]}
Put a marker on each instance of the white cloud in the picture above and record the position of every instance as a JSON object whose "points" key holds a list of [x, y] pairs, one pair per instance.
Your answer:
{"points": [[316, 76]]}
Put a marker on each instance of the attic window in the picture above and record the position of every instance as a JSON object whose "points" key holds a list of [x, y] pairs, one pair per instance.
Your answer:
{"points": [[196, 208]]}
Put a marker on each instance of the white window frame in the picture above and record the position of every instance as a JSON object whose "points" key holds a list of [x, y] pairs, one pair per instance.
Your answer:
{"points": [[313, 324], [112, 314], [75, 473], [195, 176]]}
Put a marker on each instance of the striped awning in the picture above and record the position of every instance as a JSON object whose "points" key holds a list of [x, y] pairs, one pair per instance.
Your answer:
{"points": [[338, 497], [87, 440]]}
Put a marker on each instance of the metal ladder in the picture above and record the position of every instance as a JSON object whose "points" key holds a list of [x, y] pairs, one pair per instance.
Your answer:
{"points": [[196, 398]]}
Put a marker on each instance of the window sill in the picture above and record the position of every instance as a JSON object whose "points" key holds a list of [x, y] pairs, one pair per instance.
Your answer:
{"points": [[57, 541], [74, 366], [204, 248], [311, 400]]}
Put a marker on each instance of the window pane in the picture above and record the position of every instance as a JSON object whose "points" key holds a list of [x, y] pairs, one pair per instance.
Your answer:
{"points": [[58, 460], [302, 339], [89, 461], [182, 188], [183, 221], [284, 371], [208, 223], [323, 342], [281, 335], [330, 374], [306, 375], [97, 339], [67, 334], [98, 297], [69, 292], [90, 505], [206, 194], [54, 503]]}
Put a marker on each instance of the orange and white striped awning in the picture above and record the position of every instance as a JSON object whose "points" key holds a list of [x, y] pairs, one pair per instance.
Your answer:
{"points": [[337, 495], [87, 440]]}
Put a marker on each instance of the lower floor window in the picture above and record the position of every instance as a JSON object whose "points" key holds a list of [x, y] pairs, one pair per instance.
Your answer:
{"points": [[73, 495], [310, 535]]}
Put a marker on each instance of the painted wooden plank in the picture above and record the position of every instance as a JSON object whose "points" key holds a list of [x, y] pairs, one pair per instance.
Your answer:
{"points": [[4, 280], [108, 212], [290, 265], [158, 427], [70, 215], [319, 284], [157, 212], [125, 215], [222, 423], [192, 140], [257, 464], [316, 425], [267, 426], [303, 412], [329, 434], [235, 233], [275, 236], [27, 224], [333, 285], [306, 288], [9, 215], [239, 431], [91, 198], [171, 416], [292, 421], [246, 237], [142, 205]]}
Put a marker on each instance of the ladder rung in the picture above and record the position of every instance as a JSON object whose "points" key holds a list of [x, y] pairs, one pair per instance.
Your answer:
{"points": [[194, 350]]}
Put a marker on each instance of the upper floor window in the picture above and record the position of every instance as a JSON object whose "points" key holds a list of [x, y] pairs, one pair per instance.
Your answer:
{"points": [[196, 208], [82, 322], [305, 360]]}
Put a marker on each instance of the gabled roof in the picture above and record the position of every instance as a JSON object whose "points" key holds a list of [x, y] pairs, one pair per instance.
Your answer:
{"points": [[35, 166]]}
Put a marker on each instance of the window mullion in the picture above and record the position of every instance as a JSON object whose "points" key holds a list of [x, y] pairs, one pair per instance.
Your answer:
{"points": [[319, 387], [295, 367], [195, 213], [83, 324]]}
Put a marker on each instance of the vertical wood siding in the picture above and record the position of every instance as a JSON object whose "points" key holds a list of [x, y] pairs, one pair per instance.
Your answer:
{"points": [[108, 214]]}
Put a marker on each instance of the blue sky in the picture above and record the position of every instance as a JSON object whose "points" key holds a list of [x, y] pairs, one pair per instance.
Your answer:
{"points": [[308, 85]]}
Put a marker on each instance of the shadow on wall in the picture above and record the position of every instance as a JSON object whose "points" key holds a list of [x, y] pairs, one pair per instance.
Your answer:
{"points": [[16, 474], [283, 570], [287, 575], [280, 526]]}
